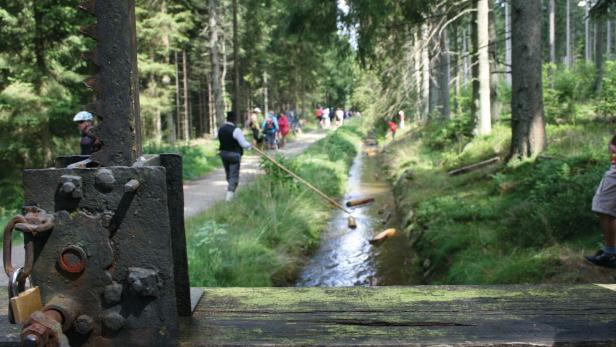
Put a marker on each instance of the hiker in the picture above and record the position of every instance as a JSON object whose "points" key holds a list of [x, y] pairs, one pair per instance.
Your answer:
{"points": [[89, 143], [270, 129], [255, 127], [604, 204], [296, 127], [393, 127], [319, 114], [283, 125], [232, 144], [401, 117], [326, 122], [339, 117]]}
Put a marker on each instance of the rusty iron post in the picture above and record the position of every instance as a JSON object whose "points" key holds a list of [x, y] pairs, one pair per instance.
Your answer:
{"points": [[111, 265], [117, 83]]}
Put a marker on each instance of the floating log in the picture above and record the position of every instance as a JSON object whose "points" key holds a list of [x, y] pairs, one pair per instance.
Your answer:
{"points": [[378, 239], [472, 167], [359, 202], [351, 222]]}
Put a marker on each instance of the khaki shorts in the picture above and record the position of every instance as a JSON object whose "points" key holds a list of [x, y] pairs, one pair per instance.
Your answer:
{"points": [[604, 200]]}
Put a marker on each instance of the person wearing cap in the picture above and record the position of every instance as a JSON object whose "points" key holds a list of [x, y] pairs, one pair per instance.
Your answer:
{"points": [[232, 145], [89, 143]]}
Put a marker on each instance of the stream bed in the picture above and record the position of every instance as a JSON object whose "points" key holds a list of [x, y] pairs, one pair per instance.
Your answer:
{"points": [[345, 257]]}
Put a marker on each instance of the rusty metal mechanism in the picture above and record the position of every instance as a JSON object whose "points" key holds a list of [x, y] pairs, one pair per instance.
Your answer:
{"points": [[105, 241]]}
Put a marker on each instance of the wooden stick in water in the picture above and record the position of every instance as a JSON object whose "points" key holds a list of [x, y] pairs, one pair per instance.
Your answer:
{"points": [[320, 193]]}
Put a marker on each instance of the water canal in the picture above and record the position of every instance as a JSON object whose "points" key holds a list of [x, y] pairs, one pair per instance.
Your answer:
{"points": [[346, 257]]}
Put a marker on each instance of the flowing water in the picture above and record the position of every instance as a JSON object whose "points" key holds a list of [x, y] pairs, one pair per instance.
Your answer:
{"points": [[345, 257]]}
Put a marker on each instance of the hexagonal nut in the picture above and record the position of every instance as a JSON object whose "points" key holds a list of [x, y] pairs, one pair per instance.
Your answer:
{"points": [[104, 180], [143, 282], [113, 293], [71, 186], [83, 324], [114, 321]]}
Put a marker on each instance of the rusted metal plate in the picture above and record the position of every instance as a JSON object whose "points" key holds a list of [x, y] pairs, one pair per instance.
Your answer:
{"points": [[116, 239], [175, 202]]}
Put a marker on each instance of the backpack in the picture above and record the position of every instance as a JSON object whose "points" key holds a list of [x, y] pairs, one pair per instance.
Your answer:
{"points": [[269, 125]]}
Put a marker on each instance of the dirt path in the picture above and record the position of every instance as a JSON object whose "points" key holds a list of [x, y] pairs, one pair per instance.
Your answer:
{"points": [[201, 194]]}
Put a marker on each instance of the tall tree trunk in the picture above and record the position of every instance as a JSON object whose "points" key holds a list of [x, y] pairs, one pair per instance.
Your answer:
{"points": [[528, 136], [178, 114], [587, 43], [217, 91], [608, 48], [265, 93], [484, 116], [457, 64], [211, 109], [475, 67], [552, 30], [466, 52], [425, 62], [236, 63], [569, 55], [41, 66], [508, 41], [170, 131], [444, 76], [186, 118], [599, 54], [493, 56]]}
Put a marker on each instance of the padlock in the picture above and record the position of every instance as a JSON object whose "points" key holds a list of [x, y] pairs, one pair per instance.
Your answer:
{"points": [[22, 302]]}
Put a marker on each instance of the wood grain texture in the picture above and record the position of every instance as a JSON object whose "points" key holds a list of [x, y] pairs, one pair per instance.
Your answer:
{"points": [[563, 315]]}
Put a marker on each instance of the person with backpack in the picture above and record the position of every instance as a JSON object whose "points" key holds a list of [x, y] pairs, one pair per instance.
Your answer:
{"points": [[283, 124], [232, 145], [270, 128], [89, 143]]}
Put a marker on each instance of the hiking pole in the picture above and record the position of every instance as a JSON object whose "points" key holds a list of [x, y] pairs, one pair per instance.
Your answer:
{"points": [[351, 221]]}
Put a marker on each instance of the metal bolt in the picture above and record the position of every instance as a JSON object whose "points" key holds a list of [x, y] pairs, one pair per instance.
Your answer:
{"points": [[113, 293], [104, 180], [106, 219], [68, 187], [84, 324], [131, 186], [114, 321]]}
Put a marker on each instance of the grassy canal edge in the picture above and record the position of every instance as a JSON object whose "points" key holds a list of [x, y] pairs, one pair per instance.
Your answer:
{"points": [[263, 237], [520, 222]]}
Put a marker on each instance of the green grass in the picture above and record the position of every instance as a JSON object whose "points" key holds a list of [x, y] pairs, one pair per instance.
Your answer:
{"points": [[509, 223], [264, 235], [198, 159]]}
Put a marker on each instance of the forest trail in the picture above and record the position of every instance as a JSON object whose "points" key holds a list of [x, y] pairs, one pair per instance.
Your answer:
{"points": [[203, 193]]}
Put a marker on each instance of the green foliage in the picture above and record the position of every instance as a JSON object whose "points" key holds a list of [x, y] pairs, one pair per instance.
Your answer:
{"points": [[197, 159], [564, 90], [504, 223], [607, 99], [262, 236]]}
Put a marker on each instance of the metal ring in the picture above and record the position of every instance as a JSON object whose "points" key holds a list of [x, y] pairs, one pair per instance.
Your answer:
{"points": [[7, 246]]}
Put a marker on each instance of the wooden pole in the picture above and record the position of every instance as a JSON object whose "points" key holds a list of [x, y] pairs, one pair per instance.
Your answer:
{"points": [[316, 190]]}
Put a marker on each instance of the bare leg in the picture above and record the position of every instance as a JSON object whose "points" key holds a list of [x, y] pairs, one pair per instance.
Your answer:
{"points": [[608, 226]]}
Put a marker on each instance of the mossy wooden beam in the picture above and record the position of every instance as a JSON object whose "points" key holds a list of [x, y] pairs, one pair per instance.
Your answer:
{"points": [[547, 315]]}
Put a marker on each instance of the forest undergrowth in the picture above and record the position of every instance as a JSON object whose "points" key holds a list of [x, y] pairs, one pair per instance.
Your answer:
{"points": [[516, 222]]}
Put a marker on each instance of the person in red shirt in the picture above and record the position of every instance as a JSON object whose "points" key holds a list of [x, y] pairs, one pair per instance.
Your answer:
{"points": [[393, 127], [284, 128]]}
